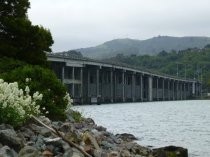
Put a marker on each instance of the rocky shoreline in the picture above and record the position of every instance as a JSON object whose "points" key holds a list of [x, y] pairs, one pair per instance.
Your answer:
{"points": [[35, 140]]}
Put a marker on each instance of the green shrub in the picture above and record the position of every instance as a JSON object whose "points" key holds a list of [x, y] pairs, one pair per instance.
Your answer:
{"points": [[44, 81], [8, 64]]}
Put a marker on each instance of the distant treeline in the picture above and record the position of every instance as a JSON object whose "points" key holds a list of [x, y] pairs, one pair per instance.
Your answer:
{"points": [[189, 63]]}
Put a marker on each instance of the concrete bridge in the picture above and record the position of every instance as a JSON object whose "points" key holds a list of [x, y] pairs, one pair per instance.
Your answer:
{"points": [[90, 81]]}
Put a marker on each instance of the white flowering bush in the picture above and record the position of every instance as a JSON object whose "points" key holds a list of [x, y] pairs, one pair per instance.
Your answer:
{"points": [[69, 101], [55, 99], [16, 105]]}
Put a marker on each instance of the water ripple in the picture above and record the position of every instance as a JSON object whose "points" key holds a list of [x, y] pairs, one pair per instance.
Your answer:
{"points": [[181, 123]]}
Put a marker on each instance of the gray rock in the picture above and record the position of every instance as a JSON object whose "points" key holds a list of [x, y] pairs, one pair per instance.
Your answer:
{"points": [[113, 154], [66, 127], [100, 128], [89, 121], [170, 151], [9, 137], [125, 153], [41, 130], [77, 153], [54, 145], [107, 145], [57, 124], [39, 142], [126, 137], [45, 120], [101, 153], [5, 126], [7, 152], [29, 151], [78, 125], [68, 153], [27, 133], [136, 149]]}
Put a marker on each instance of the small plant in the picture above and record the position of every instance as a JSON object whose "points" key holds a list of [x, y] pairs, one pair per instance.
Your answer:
{"points": [[16, 105], [76, 115]]}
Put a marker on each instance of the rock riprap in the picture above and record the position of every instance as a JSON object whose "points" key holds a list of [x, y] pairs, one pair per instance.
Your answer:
{"points": [[35, 140]]}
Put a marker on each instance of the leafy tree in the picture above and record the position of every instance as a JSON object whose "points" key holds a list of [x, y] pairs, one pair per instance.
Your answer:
{"points": [[20, 39]]}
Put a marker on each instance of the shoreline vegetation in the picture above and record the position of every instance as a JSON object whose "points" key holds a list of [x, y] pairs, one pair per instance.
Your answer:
{"points": [[33, 139]]}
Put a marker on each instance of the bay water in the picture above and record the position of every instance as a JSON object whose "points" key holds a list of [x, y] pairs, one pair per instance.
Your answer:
{"points": [[158, 124]]}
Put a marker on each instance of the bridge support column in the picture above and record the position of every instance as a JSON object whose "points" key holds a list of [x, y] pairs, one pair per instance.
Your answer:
{"points": [[97, 84], [81, 85], [63, 73], [141, 86], [115, 86], [150, 88], [133, 87], [181, 91], [173, 90], [123, 86], [157, 90], [111, 85], [177, 90], [193, 88], [163, 90], [88, 84], [169, 95], [73, 81]]}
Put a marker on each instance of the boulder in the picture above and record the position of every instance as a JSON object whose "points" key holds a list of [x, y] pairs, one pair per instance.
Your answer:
{"points": [[29, 151], [41, 130], [76, 153], [66, 127], [47, 153], [136, 149], [100, 128], [113, 154], [27, 133], [170, 151], [68, 153], [125, 153], [127, 137], [7, 152], [54, 145], [5, 126], [9, 137]]}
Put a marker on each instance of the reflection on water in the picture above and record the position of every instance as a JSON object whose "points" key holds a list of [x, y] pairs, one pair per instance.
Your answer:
{"points": [[180, 123]]}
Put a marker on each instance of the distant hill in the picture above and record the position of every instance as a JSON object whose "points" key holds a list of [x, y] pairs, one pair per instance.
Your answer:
{"points": [[140, 47]]}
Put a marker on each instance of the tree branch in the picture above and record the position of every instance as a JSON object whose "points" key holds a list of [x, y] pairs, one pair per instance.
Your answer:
{"points": [[56, 132]]}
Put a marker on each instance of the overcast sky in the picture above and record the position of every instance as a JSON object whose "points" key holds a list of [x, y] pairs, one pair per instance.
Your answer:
{"points": [[84, 23]]}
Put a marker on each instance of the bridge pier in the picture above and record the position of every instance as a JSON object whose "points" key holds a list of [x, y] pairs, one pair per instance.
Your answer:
{"points": [[133, 87], [163, 89], [168, 90], [81, 85], [141, 86], [150, 88], [111, 85], [123, 86]]}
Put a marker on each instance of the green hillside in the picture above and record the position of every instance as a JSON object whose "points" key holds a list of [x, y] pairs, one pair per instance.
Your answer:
{"points": [[140, 47], [189, 63]]}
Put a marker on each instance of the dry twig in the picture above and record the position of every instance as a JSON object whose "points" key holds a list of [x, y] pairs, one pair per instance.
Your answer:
{"points": [[56, 132]]}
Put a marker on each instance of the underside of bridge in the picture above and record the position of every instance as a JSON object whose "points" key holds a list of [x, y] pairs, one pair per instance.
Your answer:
{"points": [[89, 83]]}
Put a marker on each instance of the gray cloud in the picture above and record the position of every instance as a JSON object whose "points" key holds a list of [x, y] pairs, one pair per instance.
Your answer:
{"points": [[84, 23]]}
